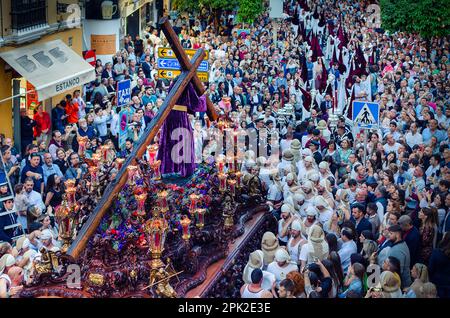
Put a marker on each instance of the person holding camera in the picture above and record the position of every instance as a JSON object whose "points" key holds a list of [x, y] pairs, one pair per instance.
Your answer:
{"points": [[76, 169]]}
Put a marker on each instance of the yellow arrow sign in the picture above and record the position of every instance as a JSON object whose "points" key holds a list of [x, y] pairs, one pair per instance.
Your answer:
{"points": [[166, 52], [169, 74]]}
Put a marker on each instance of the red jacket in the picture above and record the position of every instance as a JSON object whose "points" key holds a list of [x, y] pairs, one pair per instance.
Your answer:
{"points": [[42, 122], [72, 112]]}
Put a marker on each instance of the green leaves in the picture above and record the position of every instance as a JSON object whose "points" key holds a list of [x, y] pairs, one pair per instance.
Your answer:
{"points": [[249, 10], [427, 17]]}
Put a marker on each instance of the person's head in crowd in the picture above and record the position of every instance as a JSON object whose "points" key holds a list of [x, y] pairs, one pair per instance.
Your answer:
{"points": [[347, 234], [428, 216], [286, 289], [74, 160]]}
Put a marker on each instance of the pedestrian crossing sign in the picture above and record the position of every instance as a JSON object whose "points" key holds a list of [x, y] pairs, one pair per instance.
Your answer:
{"points": [[366, 114]]}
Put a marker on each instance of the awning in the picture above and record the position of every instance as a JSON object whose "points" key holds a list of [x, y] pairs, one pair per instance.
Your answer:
{"points": [[51, 67]]}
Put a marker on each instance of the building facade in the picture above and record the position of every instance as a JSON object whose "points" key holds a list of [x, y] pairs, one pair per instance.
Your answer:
{"points": [[27, 23]]}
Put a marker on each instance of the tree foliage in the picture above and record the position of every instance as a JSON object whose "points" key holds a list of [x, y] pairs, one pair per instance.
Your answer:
{"points": [[210, 5], [427, 17], [249, 10]]}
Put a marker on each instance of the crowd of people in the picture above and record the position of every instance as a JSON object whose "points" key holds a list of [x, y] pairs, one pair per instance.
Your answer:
{"points": [[342, 208], [356, 221]]}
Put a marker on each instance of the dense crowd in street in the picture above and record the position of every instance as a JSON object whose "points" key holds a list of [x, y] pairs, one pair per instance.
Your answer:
{"points": [[343, 208]]}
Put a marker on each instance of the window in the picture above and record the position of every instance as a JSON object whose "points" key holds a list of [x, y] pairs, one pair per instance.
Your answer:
{"points": [[28, 13]]}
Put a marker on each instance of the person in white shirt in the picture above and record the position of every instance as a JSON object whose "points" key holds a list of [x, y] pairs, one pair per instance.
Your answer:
{"points": [[281, 266], [413, 137], [284, 224], [296, 241], [325, 212], [347, 248], [255, 288], [434, 166], [391, 144], [33, 198], [316, 248]]}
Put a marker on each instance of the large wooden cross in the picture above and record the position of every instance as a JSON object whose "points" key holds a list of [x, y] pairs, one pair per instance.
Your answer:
{"points": [[187, 75]]}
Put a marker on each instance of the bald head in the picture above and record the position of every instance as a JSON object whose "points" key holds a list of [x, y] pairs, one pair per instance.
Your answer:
{"points": [[16, 275]]}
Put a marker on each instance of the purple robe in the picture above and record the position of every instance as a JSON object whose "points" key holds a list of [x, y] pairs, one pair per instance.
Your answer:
{"points": [[179, 119]]}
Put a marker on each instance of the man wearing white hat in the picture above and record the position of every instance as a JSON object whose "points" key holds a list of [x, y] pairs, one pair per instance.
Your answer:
{"points": [[310, 220], [325, 172], [48, 242], [7, 261], [286, 162], [256, 261], [264, 172], [296, 241], [291, 186], [281, 266], [308, 163], [309, 192], [284, 224], [325, 212], [299, 201], [275, 193]]}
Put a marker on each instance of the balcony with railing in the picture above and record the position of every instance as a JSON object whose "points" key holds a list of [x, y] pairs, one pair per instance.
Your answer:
{"points": [[28, 20]]}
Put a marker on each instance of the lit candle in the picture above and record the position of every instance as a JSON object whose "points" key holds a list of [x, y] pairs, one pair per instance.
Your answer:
{"points": [[223, 181], [185, 222], [193, 197], [119, 162], [104, 150], [97, 158], [162, 198], [156, 169], [69, 183], [238, 178], [132, 171], [71, 195], [230, 160], [232, 184], [201, 218], [140, 198], [94, 176], [152, 150], [82, 145]]}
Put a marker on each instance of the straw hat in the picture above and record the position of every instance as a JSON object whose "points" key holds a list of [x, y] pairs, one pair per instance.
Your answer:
{"points": [[322, 125], [255, 260], [269, 245], [20, 241], [6, 260], [288, 155], [296, 144]]}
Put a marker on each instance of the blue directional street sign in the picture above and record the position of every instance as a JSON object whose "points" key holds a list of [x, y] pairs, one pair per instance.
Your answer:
{"points": [[173, 64], [366, 114], [123, 92]]}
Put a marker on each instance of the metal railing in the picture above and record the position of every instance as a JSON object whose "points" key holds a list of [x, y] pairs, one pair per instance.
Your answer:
{"points": [[28, 14]]}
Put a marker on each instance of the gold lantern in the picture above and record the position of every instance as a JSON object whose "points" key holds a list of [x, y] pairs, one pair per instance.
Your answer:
{"points": [[186, 233], [200, 218], [82, 141], [152, 150], [156, 229], [132, 173]]}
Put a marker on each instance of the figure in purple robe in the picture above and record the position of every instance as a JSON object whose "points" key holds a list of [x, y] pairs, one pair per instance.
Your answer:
{"points": [[178, 156]]}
